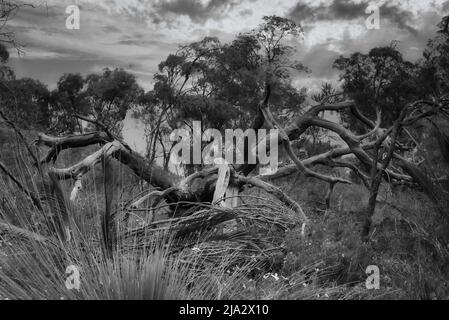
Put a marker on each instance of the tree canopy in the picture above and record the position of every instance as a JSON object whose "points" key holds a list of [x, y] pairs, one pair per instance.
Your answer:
{"points": [[379, 79]]}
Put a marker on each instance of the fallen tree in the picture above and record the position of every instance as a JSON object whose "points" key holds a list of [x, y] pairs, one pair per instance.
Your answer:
{"points": [[374, 151]]}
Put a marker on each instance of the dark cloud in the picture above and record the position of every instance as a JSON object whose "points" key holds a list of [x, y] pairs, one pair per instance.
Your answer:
{"points": [[396, 15], [344, 9], [194, 9], [337, 10], [303, 13], [349, 10]]}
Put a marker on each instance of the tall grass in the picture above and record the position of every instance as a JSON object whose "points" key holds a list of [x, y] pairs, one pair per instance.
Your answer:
{"points": [[34, 260]]}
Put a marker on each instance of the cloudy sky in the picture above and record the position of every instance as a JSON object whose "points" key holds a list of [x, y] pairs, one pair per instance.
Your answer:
{"points": [[138, 34]]}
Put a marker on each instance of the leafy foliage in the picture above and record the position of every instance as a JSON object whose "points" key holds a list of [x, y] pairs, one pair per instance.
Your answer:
{"points": [[435, 64], [381, 78], [110, 96], [25, 101]]}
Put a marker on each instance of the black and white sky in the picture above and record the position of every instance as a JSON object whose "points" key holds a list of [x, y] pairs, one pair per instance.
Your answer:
{"points": [[137, 34]]}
